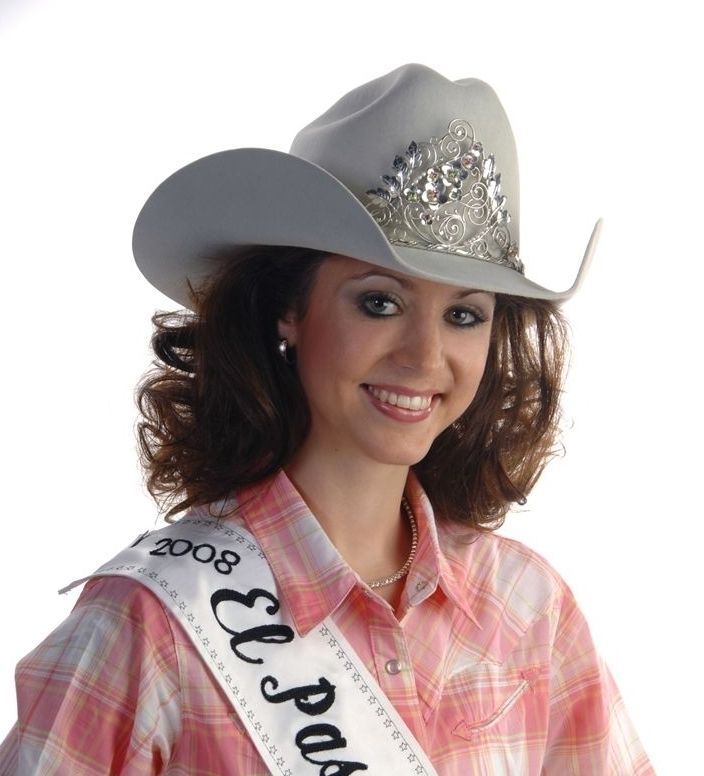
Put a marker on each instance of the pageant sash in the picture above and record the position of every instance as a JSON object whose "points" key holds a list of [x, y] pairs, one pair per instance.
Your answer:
{"points": [[308, 703]]}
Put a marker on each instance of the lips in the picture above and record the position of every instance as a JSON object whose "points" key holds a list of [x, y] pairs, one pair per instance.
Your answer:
{"points": [[415, 402]]}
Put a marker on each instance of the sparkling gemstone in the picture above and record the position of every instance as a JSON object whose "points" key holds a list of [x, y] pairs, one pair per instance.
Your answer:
{"points": [[379, 196], [400, 164], [455, 194], [433, 175], [412, 195], [467, 161], [477, 149], [491, 188], [431, 195], [393, 185], [426, 218], [488, 167]]}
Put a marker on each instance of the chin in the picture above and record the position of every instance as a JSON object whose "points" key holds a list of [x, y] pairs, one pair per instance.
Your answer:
{"points": [[401, 457]]}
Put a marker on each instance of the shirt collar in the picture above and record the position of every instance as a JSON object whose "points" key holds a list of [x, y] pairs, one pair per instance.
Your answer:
{"points": [[313, 578], [436, 565]]}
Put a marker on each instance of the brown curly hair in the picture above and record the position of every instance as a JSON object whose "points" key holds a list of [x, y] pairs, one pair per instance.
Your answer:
{"points": [[221, 409]]}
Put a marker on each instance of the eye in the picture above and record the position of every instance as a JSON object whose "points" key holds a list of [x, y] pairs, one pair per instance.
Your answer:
{"points": [[464, 316], [378, 305]]}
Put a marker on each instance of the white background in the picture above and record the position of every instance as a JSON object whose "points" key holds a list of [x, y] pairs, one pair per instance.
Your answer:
{"points": [[100, 101]]}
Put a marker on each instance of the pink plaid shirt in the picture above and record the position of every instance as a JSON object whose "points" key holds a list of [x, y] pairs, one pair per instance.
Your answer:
{"points": [[488, 660]]}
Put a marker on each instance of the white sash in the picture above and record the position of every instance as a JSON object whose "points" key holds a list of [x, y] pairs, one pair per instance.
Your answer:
{"points": [[308, 703]]}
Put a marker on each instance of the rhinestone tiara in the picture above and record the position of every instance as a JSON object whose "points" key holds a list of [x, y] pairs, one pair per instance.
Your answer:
{"points": [[445, 195]]}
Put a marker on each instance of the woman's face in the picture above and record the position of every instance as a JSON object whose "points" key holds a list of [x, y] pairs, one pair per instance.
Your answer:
{"points": [[386, 361]]}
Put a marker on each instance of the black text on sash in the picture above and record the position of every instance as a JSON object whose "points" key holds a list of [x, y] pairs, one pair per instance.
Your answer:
{"points": [[314, 740]]}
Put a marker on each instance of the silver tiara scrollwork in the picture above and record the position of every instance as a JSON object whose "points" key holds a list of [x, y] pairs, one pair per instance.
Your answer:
{"points": [[445, 195]]}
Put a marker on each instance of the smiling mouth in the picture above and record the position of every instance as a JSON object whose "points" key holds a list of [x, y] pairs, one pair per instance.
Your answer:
{"points": [[404, 401]]}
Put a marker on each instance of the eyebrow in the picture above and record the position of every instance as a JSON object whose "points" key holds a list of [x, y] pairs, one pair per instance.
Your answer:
{"points": [[407, 283]]}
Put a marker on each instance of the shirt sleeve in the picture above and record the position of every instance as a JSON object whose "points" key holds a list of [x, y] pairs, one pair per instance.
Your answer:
{"points": [[101, 693], [589, 731]]}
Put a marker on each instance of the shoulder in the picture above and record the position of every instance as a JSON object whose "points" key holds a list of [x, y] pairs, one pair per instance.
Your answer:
{"points": [[505, 569], [508, 586], [125, 600], [113, 654], [116, 621], [103, 687]]}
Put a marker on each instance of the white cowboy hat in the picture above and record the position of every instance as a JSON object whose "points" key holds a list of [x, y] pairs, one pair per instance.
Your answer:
{"points": [[411, 172]]}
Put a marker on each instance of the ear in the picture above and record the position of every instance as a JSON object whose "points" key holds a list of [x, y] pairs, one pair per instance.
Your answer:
{"points": [[288, 327]]}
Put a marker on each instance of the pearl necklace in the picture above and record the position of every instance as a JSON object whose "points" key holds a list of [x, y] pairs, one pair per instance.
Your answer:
{"points": [[401, 573]]}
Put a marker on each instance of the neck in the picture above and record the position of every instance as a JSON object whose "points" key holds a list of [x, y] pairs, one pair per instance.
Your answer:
{"points": [[358, 505]]}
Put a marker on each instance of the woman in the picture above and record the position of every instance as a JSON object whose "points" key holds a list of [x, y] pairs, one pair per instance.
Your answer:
{"points": [[344, 421]]}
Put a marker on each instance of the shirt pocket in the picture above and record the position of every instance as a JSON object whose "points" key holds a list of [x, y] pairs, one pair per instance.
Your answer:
{"points": [[487, 698]]}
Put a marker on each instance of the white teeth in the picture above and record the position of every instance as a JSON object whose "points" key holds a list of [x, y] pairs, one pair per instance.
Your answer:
{"points": [[415, 403]]}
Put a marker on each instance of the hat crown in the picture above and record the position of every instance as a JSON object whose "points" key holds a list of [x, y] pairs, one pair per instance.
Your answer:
{"points": [[411, 172], [358, 137]]}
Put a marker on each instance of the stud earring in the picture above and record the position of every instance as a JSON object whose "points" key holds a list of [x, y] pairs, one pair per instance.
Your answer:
{"points": [[284, 352]]}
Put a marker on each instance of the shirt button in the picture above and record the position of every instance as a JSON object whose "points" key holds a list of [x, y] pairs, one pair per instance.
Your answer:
{"points": [[393, 667]]}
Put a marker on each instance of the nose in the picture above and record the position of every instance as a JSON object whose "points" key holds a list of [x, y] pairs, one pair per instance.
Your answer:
{"points": [[420, 346]]}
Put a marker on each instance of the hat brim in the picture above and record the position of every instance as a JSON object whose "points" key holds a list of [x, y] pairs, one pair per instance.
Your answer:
{"points": [[253, 196]]}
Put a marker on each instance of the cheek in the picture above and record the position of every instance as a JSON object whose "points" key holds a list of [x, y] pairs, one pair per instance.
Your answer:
{"points": [[472, 369], [326, 355], [334, 343]]}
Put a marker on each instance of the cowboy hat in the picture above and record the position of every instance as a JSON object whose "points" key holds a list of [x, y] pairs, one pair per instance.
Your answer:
{"points": [[411, 172]]}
